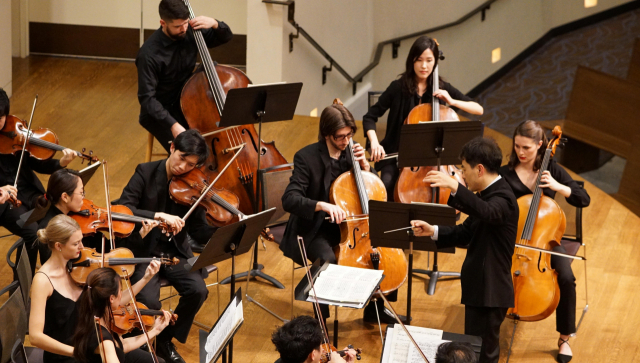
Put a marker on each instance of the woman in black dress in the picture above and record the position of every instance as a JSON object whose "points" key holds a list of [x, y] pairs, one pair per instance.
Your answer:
{"points": [[100, 295], [529, 144], [414, 87], [53, 315]]}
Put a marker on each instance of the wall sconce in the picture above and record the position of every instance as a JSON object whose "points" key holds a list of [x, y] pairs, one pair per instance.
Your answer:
{"points": [[495, 55]]}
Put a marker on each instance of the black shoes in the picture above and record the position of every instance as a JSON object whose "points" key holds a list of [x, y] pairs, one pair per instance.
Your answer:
{"points": [[563, 358], [386, 316], [167, 351], [195, 246]]}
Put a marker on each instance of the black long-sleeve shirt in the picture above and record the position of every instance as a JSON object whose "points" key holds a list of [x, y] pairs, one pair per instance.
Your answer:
{"points": [[29, 186], [400, 103], [165, 65], [578, 198]]}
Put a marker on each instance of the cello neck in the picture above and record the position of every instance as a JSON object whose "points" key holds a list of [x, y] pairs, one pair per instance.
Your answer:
{"points": [[535, 200], [435, 101], [209, 68], [357, 173]]}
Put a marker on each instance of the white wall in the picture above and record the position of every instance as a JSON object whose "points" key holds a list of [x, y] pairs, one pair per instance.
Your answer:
{"points": [[264, 45], [5, 46], [126, 13]]}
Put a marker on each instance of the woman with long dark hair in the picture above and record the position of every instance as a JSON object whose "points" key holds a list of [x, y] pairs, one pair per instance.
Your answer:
{"points": [[414, 87], [529, 144], [52, 319], [100, 295]]}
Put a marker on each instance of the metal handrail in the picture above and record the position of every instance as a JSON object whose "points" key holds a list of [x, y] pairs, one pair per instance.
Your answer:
{"points": [[395, 42]]}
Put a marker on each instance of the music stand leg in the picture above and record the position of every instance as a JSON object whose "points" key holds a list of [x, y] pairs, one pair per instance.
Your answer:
{"points": [[409, 286], [335, 328], [435, 274]]}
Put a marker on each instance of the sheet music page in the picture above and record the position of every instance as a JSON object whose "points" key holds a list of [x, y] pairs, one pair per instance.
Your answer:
{"points": [[428, 347], [401, 345], [386, 350], [346, 284], [222, 329]]}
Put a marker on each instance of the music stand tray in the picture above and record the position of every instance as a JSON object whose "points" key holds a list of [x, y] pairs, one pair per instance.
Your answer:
{"points": [[388, 216]]}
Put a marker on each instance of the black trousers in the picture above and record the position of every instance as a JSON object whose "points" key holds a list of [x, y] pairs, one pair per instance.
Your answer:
{"points": [[566, 310], [485, 322], [8, 219], [139, 356], [160, 132], [191, 287], [321, 247], [389, 174]]}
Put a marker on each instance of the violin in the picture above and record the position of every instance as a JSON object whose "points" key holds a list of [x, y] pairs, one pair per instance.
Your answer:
{"points": [[125, 319], [121, 260], [202, 101], [327, 349], [220, 204], [410, 186], [541, 225], [352, 191], [42, 143], [93, 219]]}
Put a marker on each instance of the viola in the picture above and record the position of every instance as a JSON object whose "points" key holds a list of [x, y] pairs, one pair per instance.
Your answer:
{"points": [[93, 219], [42, 143], [541, 225], [121, 260], [410, 186], [352, 191], [125, 318], [202, 101], [220, 204]]}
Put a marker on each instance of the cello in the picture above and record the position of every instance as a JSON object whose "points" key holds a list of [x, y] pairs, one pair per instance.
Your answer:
{"points": [[541, 225], [352, 191], [410, 186], [202, 101]]}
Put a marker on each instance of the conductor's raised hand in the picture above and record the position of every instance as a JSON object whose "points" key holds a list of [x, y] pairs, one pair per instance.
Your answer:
{"points": [[422, 228], [203, 22], [336, 213], [440, 179], [358, 152], [175, 222]]}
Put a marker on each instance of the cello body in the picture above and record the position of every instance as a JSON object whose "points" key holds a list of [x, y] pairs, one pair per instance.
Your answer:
{"points": [[536, 290]]}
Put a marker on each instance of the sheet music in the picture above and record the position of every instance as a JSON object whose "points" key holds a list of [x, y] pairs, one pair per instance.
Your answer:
{"points": [[224, 328], [345, 284], [429, 349], [399, 347]]}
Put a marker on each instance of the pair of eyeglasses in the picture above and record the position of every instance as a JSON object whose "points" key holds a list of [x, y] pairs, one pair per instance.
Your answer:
{"points": [[81, 193], [342, 137]]}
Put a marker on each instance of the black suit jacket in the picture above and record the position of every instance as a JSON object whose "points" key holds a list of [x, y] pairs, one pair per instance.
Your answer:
{"points": [[490, 234], [309, 184], [147, 193]]}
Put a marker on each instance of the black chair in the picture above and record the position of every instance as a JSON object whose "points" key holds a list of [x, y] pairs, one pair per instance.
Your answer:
{"points": [[15, 283], [13, 316], [22, 354]]}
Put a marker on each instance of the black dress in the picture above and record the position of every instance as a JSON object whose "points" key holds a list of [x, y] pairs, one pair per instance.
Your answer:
{"points": [[60, 317], [93, 345], [399, 103], [566, 310]]}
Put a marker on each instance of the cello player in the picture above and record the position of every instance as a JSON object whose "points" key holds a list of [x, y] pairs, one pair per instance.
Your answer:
{"points": [[166, 61], [316, 166]]}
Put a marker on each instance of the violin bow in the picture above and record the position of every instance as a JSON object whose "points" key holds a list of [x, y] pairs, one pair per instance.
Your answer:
{"points": [[139, 316], [206, 191], [105, 174], [424, 357], [96, 324], [316, 304], [24, 144]]}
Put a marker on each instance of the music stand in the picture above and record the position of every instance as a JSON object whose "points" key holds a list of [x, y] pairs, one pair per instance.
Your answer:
{"points": [[389, 216], [228, 242], [435, 143], [259, 104]]}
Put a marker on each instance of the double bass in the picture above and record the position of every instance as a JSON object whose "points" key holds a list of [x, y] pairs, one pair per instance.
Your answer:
{"points": [[541, 225], [352, 191], [410, 186], [202, 101]]}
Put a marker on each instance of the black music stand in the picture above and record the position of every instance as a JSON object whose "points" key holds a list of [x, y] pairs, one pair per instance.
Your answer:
{"points": [[435, 143], [259, 104], [389, 216], [228, 242]]}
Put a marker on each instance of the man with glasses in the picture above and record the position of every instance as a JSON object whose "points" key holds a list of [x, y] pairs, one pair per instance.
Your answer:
{"points": [[316, 166]]}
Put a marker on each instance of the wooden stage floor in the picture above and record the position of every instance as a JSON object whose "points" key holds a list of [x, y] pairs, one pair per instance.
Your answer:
{"points": [[93, 104]]}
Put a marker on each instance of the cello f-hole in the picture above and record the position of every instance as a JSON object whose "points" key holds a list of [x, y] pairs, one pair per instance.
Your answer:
{"points": [[356, 229], [255, 147]]}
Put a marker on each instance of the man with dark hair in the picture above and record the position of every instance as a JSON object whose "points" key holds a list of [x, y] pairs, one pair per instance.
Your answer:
{"points": [[166, 61], [29, 186], [455, 352], [300, 340], [147, 195], [316, 166], [490, 234]]}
